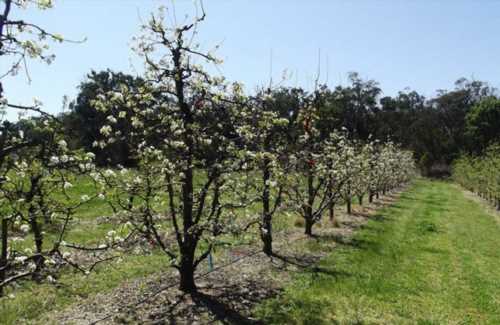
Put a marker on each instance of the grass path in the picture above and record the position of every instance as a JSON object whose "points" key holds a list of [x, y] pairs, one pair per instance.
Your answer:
{"points": [[432, 258]]}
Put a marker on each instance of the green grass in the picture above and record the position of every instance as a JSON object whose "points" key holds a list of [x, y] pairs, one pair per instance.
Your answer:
{"points": [[432, 258]]}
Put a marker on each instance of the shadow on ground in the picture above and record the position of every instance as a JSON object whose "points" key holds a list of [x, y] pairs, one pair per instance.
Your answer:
{"points": [[226, 304]]}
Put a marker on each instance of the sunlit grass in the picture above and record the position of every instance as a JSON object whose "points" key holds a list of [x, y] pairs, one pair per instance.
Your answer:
{"points": [[432, 258]]}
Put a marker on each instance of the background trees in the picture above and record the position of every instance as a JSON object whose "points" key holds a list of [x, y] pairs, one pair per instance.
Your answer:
{"points": [[483, 124], [436, 129], [83, 122]]}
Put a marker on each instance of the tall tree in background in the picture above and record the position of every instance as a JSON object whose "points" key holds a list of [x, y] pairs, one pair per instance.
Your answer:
{"points": [[83, 123], [483, 124], [452, 108]]}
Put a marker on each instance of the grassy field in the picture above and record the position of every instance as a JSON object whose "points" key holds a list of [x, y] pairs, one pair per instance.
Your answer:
{"points": [[432, 258]]}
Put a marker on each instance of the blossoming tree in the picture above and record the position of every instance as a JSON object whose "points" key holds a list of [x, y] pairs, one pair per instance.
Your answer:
{"points": [[199, 157], [35, 161], [264, 134], [309, 190]]}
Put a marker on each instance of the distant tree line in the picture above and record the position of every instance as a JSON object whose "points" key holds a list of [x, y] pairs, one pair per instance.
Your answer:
{"points": [[462, 120]]}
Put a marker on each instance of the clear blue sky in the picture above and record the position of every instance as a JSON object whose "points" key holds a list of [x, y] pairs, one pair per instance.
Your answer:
{"points": [[424, 45]]}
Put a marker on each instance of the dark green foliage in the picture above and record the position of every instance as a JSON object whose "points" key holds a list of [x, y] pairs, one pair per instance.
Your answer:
{"points": [[437, 130], [83, 122], [483, 124]]}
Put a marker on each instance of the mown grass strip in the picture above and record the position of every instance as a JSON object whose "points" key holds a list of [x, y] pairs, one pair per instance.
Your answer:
{"points": [[431, 258]]}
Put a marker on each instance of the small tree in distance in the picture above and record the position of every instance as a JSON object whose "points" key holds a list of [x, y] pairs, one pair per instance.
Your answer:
{"points": [[264, 133], [309, 190]]}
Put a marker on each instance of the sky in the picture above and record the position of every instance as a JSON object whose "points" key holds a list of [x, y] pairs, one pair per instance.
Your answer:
{"points": [[424, 45]]}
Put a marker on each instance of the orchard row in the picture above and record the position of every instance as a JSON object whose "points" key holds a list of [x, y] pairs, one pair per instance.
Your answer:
{"points": [[207, 157], [480, 174]]}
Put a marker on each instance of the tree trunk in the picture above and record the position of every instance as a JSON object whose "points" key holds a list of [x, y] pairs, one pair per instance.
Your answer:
{"points": [[190, 240], [377, 196], [349, 208], [3, 253], [266, 234], [188, 247], [331, 209], [309, 225], [38, 259], [498, 204], [35, 226], [267, 248], [310, 202], [370, 197], [266, 226], [186, 270], [360, 199]]}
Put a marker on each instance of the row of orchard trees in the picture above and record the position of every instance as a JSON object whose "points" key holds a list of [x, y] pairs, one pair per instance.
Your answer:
{"points": [[215, 151], [205, 153], [481, 174]]}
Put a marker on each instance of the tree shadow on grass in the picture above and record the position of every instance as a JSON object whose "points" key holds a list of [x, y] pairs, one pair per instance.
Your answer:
{"points": [[310, 266], [358, 243], [220, 308], [299, 260], [381, 217], [361, 214], [318, 270], [229, 303]]}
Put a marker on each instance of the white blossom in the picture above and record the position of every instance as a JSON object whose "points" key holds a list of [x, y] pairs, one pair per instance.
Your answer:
{"points": [[62, 144], [106, 130]]}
